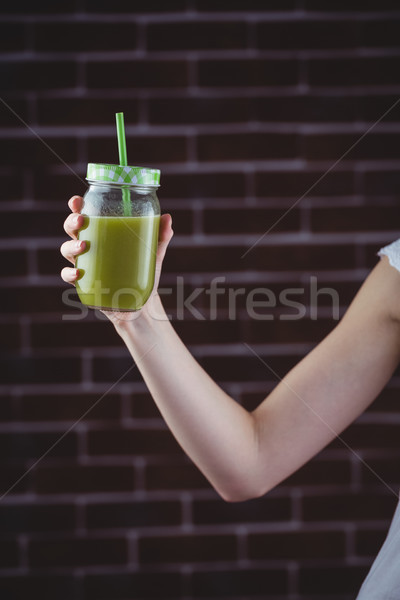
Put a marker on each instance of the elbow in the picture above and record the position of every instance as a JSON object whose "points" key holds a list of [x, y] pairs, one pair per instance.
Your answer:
{"points": [[241, 492]]}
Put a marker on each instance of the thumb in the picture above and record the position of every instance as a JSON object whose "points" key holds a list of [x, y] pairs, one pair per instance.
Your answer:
{"points": [[164, 237]]}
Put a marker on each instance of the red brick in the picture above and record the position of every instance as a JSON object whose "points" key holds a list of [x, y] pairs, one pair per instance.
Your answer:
{"points": [[244, 5], [387, 401], [332, 580], [321, 472], [50, 262], [174, 477], [84, 37], [365, 435], [142, 406], [34, 445], [32, 152], [302, 34], [248, 368], [381, 183], [208, 332], [363, 218], [10, 335], [138, 74], [194, 35], [371, 253], [61, 186], [155, 584], [21, 518], [247, 146], [203, 185], [330, 146], [353, 71], [102, 6], [25, 224], [80, 479], [352, 5], [380, 33], [46, 6], [247, 72], [39, 300], [9, 554], [347, 507], [274, 258], [9, 408], [151, 149], [199, 110], [14, 479], [133, 514], [38, 75], [182, 220], [283, 332], [130, 442], [386, 468], [257, 510], [84, 111], [305, 108], [187, 548], [258, 290], [173, 295], [292, 545], [246, 582], [372, 106], [12, 37], [74, 334], [295, 184], [45, 587], [11, 184], [369, 542], [37, 369], [251, 400], [77, 552], [238, 90], [69, 407], [245, 293], [112, 369], [250, 220]]}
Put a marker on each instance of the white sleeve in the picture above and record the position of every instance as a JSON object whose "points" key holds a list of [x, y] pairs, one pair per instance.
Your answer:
{"points": [[392, 251]]}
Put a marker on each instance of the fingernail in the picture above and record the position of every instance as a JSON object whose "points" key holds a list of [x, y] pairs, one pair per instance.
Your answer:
{"points": [[75, 220], [78, 245]]}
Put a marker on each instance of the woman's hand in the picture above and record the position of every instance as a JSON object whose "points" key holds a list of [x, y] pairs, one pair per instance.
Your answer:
{"points": [[72, 248]]}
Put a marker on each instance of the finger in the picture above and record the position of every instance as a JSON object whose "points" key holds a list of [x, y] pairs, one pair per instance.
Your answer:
{"points": [[69, 275], [75, 203], [71, 249], [72, 224], [166, 232]]}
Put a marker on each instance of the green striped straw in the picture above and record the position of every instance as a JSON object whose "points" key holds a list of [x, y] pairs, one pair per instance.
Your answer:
{"points": [[123, 161]]}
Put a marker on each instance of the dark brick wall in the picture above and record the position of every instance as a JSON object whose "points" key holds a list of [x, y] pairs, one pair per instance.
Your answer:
{"points": [[244, 106]]}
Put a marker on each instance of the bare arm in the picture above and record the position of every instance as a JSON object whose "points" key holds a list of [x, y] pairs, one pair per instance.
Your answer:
{"points": [[245, 454]]}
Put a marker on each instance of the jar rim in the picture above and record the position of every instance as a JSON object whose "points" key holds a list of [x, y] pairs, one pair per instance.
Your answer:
{"points": [[123, 175], [122, 185]]}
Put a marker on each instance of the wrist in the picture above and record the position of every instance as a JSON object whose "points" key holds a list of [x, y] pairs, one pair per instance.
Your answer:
{"points": [[142, 321]]}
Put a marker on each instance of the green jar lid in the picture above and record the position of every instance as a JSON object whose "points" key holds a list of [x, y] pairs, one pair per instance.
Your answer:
{"points": [[123, 175]]}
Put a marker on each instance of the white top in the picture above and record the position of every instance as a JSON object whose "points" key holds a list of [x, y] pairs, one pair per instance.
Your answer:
{"points": [[392, 251]]}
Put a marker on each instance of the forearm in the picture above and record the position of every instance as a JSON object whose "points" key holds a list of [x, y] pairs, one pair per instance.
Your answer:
{"points": [[218, 434]]}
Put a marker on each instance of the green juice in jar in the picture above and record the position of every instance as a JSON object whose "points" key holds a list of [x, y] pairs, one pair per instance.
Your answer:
{"points": [[122, 218], [117, 269]]}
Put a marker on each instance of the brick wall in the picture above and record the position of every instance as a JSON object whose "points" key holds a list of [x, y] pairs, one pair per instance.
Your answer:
{"points": [[244, 106]]}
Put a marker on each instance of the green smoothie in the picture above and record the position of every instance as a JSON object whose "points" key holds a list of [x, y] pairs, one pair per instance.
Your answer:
{"points": [[117, 269]]}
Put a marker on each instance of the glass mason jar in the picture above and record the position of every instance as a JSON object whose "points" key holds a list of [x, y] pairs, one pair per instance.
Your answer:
{"points": [[121, 221]]}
